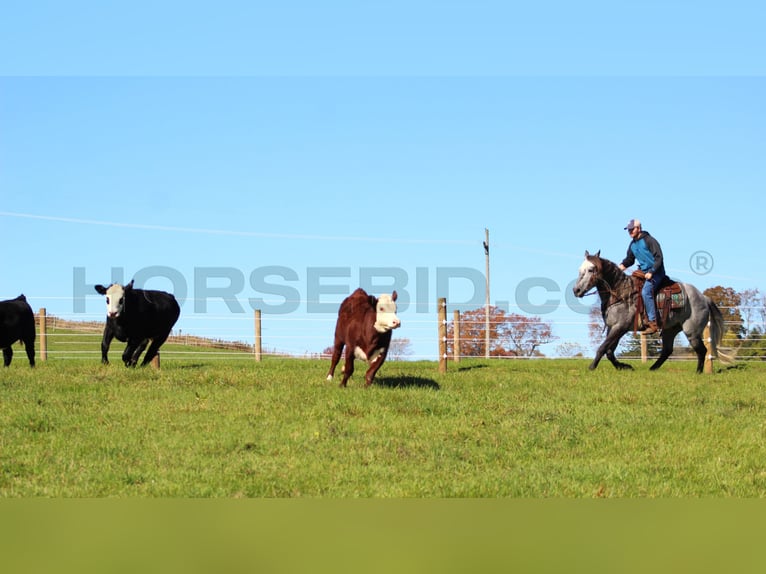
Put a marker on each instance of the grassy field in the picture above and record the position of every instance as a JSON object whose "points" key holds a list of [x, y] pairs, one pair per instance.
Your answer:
{"points": [[206, 427]]}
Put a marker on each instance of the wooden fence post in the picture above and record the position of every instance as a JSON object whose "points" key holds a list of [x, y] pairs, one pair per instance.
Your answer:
{"points": [[644, 354], [442, 314], [456, 335], [708, 366], [43, 334], [155, 362], [257, 346]]}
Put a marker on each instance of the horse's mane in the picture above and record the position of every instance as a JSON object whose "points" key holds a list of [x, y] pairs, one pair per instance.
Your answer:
{"points": [[611, 272], [614, 284]]}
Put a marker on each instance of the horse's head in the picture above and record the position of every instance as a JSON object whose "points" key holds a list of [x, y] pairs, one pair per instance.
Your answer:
{"points": [[588, 275]]}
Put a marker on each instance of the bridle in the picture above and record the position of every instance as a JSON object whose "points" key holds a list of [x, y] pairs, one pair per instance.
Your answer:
{"points": [[615, 297]]}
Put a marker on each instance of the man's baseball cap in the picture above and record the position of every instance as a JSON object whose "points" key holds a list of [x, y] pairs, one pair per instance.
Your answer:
{"points": [[633, 223]]}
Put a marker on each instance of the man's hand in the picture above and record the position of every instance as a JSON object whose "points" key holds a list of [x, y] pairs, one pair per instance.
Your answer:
{"points": [[648, 275]]}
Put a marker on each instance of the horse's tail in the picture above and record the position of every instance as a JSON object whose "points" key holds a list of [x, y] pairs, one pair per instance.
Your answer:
{"points": [[716, 334]]}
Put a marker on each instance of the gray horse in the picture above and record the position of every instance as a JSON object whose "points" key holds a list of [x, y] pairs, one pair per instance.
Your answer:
{"points": [[618, 308]]}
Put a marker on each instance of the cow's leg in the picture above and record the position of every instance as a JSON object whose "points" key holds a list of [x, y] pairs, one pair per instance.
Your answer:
{"points": [[106, 340], [132, 351], [7, 356], [668, 336], [137, 352], [29, 347], [154, 349], [375, 364], [127, 354], [336, 353], [348, 365]]}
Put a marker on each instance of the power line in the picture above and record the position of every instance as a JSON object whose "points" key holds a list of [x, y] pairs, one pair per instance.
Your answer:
{"points": [[229, 232]]}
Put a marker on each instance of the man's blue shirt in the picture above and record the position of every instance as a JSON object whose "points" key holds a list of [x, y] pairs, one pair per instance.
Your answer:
{"points": [[647, 252]]}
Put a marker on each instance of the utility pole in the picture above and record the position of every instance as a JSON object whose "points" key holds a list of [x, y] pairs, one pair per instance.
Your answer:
{"points": [[486, 306]]}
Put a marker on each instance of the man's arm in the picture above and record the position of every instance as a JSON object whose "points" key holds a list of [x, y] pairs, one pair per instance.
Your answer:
{"points": [[629, 260], [654, 247]]}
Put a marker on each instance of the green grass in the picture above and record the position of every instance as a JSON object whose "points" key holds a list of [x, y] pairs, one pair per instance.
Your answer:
{"points": [[203, 427]]}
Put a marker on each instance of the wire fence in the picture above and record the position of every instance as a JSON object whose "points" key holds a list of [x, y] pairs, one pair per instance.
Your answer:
{"points": [[232, 336]]}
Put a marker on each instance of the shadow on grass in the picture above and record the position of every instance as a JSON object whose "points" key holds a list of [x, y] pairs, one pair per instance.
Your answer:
{"points": [[471, 368], [406, 382], [734, 367]]}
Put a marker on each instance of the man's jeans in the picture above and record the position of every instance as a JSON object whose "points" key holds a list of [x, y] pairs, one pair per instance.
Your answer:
{"points": [[648, 291]]}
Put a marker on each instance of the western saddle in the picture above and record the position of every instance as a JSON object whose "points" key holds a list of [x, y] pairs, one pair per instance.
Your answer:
{"points": [[669, 296]]}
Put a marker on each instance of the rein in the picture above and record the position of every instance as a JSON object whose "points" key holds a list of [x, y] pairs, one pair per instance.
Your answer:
{"points": [[614, 296]]}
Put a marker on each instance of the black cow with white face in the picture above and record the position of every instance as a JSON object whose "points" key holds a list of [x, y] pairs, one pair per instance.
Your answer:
{"points": [[137, 316], [17, 323]]}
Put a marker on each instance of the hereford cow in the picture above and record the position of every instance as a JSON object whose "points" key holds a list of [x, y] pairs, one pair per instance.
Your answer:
{"points": [[364, 327], [137, 316], [17, 323]]}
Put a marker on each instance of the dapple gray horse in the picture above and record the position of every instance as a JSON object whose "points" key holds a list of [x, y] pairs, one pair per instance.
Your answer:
{"points": [[618, 308]]}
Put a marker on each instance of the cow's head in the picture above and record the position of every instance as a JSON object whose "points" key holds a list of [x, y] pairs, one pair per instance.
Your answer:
{"points": [[115, 298], [386, 318]]}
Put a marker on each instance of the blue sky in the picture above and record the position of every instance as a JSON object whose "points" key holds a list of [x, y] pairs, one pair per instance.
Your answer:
{"points": [[303, 149]]}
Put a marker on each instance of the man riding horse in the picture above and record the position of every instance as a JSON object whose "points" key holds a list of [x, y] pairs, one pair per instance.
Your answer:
{"points": [[646, 250]]}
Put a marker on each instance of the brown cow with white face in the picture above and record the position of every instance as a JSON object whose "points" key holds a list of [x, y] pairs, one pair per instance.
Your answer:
{"points": [[364, 327]]}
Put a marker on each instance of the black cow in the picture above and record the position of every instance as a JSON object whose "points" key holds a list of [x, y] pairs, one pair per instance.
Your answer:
{"points": [[17, 323], [137, 316]]}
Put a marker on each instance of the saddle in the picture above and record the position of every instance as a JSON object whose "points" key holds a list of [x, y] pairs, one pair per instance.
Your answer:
{"points": [[667, 298]]}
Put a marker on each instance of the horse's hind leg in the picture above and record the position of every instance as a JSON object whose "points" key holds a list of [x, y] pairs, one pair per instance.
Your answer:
{"points": [[668, 336], [701, 350]]}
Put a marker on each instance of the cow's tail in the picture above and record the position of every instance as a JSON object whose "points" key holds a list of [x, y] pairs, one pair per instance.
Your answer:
{"points": [[716, 335]]}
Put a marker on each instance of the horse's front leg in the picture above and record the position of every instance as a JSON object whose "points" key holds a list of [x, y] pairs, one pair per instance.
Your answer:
{"points": [[613, 359], [608, 347]]}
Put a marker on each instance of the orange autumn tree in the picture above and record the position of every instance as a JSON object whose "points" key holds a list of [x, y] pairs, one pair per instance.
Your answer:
{"points": [[510, 334], [728, 301]]}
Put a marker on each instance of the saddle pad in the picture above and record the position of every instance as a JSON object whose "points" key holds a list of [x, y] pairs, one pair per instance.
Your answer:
{"points": [[672, 292]]}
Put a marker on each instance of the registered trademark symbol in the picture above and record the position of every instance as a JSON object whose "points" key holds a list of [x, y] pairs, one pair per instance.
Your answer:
{"points": [[701, 262]]}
